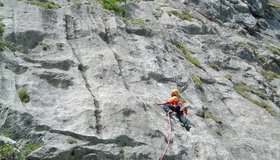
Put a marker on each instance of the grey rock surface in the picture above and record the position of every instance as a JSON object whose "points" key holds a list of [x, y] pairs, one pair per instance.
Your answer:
{"points": [[94, 77]]}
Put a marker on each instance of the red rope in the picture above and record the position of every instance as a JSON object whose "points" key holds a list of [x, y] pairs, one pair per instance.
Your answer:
{"points": [[169, 138]]}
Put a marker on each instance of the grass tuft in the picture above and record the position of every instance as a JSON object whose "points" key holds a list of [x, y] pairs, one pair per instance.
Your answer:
{"points": [[210, 115], [253, 50], [242, 45], [27, 149], [189, 57], [43, 3], [241, 88], [113, 5], [214, 66], [23, 95], [182, 16], [273, 4], [2, 45], [186, 16], [71, 141], [197, 81], [10, 45], [228, 76], [219, 132], [7, 151], [5, 134], [2, 25], [137, 21], [269, 75], [273, 49]]}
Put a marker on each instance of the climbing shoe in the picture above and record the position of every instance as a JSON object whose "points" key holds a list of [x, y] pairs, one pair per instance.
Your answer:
{"points": [[187, 127]]}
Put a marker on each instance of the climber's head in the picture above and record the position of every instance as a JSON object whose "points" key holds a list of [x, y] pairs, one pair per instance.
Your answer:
{"points": [[175, 92]]}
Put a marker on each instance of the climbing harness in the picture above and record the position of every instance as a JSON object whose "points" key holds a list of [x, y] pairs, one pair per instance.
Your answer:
{"points": [[169, 138]]}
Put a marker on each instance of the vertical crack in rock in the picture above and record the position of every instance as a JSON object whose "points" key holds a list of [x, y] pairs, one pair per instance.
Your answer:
{"points": [[120, 68], [14, 30], [106, 37], [69, 27]]}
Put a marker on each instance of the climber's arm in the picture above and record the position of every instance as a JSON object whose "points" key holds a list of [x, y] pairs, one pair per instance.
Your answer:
{"points": [[161, 103]]}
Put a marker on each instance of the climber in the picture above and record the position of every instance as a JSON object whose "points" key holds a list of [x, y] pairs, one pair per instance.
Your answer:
{"points": [[174, 104]]}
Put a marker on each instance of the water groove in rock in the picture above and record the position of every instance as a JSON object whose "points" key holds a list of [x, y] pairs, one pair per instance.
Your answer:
{"points": [[71, 32]]}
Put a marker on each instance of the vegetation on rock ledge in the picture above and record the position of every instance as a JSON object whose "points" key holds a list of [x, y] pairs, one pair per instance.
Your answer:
{"points": [[43, 3], [189, 57], [23, 95], [273, 4], [207, 114], [27, 149], [273, 49], [269, 75], [113, 5], [243, 90], [197, 81], [5, 134], [186, 16], [7, 151], [214, 66]]}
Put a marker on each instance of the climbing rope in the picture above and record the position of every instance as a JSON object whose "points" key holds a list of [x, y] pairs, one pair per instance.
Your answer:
{"points": [[169, 138]]}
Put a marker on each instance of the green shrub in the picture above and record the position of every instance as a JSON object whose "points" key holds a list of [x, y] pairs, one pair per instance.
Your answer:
{"points": [[197, 81], [273, 49], [1, 4], [241, 88], [27, 149], [112, 5], [23, 95], [189, 57], [42, 3], [6, 151]]}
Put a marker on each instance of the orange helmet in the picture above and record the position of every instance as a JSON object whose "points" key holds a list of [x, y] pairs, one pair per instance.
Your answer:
{"points": [[175, 92]]}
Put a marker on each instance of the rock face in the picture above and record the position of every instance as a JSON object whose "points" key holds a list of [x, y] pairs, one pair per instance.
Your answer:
{"points": [[93, 77]]}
